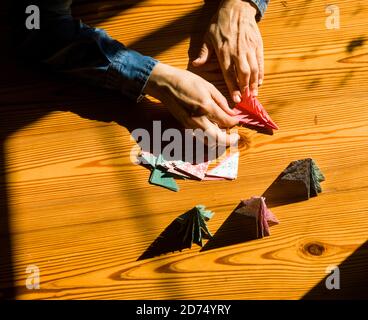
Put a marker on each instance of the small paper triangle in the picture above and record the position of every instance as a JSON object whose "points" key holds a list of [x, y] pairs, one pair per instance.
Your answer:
{"points": [[194, 170], [227, 169]]}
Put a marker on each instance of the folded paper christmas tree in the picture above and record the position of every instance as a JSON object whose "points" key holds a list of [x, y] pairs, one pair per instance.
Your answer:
{"points": [[299, 181], [185, 230], [256, 209], [194, 227], [250, 111]]}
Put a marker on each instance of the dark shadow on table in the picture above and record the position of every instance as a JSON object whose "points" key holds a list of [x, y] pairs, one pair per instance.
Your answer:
{"points": [[236, 229], [276, 196], [172, 239], [28, 94], [353, 279]]}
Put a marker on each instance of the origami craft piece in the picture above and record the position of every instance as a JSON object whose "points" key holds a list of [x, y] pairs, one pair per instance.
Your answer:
{"points": [[250, 111], [164, 171], [194, 227], [160, 177], [227, 169], [185, 230], [299, 181], [255, 208], [170, 167], [177, 174], [197, 171], [166, 164], [146, 158]]}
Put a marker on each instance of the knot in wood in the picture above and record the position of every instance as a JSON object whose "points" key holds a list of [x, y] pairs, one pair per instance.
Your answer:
{"points": [[314, 248]]}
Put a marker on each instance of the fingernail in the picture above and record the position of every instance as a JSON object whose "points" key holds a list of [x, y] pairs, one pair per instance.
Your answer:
{"points": [[255, 92], [260, 82], [237, 98], [234, 138]]}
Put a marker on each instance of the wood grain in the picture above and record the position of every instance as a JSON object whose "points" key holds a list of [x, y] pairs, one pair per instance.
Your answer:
{"points": [[83, 213]]}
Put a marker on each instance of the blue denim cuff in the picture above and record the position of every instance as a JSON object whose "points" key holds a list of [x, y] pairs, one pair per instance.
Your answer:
{"points": [[262, 6], [129, 72]]}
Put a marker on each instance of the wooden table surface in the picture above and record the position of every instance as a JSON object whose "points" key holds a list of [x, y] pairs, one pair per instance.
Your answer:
{"points": [[74, 205]]}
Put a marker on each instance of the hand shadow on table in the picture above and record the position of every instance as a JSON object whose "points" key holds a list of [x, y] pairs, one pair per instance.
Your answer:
{"points": [[147, 122]]}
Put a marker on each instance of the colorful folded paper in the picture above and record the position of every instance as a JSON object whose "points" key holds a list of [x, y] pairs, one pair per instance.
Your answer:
{"points": [[252, 217], [251, 112], [164, 172], [299, 181], [227, 169], [188, 228], [256, 208]]}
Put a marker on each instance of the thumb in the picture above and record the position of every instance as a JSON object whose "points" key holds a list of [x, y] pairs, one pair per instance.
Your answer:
{"points": [[204, 55]]}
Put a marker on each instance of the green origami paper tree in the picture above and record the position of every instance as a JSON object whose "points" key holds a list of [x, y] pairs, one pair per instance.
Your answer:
{"points": [[194, 227], [185, 230]]}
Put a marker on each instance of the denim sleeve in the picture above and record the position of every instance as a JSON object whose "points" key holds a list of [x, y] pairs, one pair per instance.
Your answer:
{"points": [[262, 6], [68, 46]]}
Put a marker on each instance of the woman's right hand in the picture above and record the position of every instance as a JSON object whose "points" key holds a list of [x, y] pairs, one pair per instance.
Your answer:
{"points": [[193, 101]]}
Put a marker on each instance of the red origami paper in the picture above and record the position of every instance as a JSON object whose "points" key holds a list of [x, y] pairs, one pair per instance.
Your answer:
{"points": [[250, 111]]}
